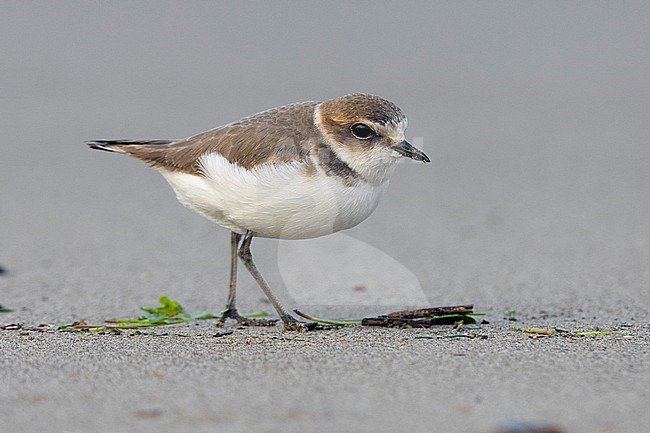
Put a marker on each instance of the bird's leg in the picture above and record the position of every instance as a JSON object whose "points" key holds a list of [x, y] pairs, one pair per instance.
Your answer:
{"points": [[231, 310], [290, 322]]}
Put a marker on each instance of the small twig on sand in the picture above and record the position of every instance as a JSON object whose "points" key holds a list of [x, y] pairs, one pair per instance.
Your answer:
{"points": [[424, 317]]}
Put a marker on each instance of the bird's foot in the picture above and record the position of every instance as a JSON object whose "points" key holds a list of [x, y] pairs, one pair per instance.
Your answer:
{"points": [[233, 314], [293, 324]]}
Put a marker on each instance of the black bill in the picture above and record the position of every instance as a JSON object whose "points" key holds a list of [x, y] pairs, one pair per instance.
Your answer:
{"points": [[407, 149]]}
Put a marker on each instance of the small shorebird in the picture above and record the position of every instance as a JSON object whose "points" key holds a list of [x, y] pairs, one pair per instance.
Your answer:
{"points": [[294, 172]]}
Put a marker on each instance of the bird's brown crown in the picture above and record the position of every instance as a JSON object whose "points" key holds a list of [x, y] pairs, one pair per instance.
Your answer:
{"points": [[360, 107]]}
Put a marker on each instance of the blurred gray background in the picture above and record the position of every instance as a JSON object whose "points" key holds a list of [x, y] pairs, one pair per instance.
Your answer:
{"points": [[535, 115]]}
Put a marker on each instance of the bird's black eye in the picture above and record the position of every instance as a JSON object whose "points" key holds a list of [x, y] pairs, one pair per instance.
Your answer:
{"points": [[362, 131]]}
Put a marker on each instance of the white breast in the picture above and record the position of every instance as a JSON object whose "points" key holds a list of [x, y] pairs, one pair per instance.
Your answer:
{"points": [[274, 200]]}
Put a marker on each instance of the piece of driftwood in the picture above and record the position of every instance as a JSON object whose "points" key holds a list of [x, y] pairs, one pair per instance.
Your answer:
{"points": [[433, 311], [422, 317]]}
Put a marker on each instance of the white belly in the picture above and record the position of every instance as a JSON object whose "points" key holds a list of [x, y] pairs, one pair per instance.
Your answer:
{"points": [[274, 201]]}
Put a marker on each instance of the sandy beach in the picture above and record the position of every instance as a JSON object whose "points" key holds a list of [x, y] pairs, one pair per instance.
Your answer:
{"points": [[534, 209]]}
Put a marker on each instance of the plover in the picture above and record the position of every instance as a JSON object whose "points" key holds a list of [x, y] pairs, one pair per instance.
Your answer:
{"points": [[294, 172]]}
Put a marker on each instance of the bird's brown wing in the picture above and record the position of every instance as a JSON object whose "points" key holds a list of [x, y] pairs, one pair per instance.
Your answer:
{"points": [[279, 135]]}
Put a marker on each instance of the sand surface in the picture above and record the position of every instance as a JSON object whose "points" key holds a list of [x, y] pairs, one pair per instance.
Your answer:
{"points": [[536, 201]]}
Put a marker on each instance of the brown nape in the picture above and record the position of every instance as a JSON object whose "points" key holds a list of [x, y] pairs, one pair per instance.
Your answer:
{"points": [[271, 137]]}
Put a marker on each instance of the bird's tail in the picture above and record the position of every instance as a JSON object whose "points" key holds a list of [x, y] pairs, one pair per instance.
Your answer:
{"points": [[121, 146]]}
